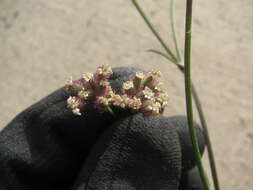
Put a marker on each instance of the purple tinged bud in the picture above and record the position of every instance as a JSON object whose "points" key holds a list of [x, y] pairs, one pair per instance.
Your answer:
{"points": [[74, 86], [103, 72]]}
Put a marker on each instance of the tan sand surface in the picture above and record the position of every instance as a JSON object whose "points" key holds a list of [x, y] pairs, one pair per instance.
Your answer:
{"points": [[43, 42]]}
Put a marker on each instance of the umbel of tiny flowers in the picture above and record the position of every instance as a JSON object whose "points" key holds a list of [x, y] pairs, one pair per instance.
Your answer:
{"points": [[93, 87], [145, 94], [141, 93]]}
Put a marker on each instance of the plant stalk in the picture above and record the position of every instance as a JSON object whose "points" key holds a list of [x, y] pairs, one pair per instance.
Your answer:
{"points": [[188, 89]]}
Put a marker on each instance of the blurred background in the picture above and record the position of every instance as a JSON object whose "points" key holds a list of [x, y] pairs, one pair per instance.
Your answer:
{"points": [[44, 42]]}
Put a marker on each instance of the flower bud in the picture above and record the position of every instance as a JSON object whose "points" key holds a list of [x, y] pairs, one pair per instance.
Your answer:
{"points": [[139, 76], [74, 86], [104, 71]]}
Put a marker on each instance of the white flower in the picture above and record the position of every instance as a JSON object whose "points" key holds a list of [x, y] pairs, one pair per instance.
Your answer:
{"points": [[118, 101], [83, 94], [156, 107], [135, 103], [162, 99], [104, 83], [104, 101], [128, 85], [153, 107], [76, 111], [139, 75], [72, 102], [104, 70], [158, 86], [148, 93], [87, 76]]}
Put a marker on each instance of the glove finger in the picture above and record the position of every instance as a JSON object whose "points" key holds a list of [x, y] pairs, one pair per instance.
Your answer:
{"points": [[134, 153], [181, 124]]}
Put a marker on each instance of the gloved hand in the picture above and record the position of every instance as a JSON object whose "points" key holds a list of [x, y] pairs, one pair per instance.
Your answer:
{"points": [[48, 147]]}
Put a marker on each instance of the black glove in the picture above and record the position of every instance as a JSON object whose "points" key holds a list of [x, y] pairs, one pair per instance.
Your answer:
{"points": [[48, 147]]}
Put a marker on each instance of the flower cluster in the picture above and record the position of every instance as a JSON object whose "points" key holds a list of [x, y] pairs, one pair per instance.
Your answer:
{"points": [[142, 93], [147, 90]]}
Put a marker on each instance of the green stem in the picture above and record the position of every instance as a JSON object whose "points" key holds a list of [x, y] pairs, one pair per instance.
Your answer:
{"points": [[157, 35], [203, 124], [187, 65], [207, 138], [174, 29]]}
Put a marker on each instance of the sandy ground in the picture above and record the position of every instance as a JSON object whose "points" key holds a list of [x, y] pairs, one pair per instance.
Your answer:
{"points": [[43, 42]]}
